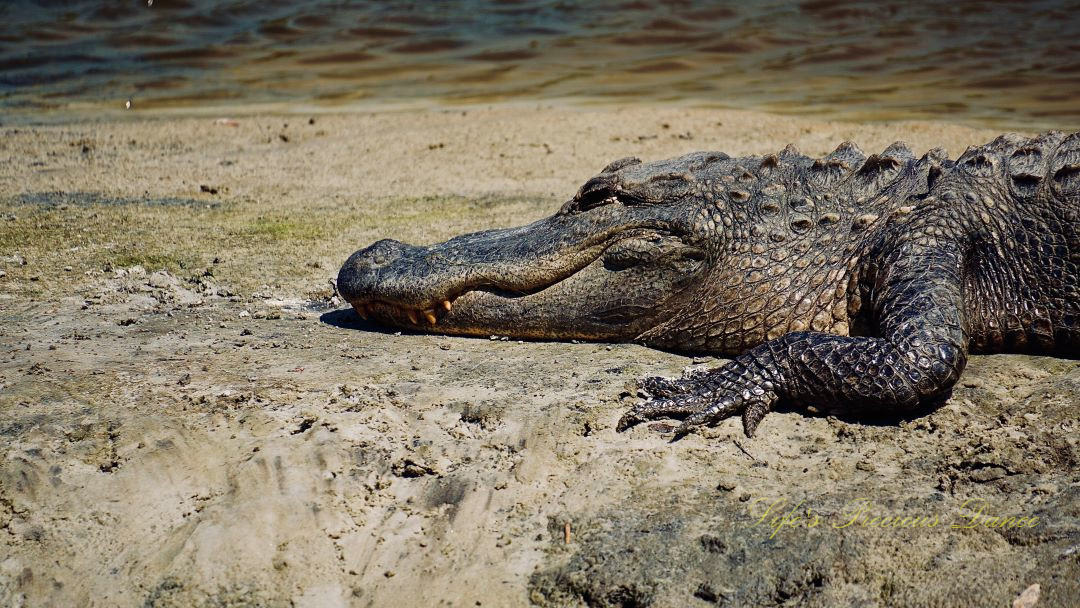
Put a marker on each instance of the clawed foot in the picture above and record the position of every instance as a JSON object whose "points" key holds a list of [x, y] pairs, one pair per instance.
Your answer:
{"points": [[704, 398]]}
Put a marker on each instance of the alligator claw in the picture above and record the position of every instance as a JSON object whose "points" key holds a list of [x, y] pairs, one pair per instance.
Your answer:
{"points": [[752, 416], [657, 386], [702, 399]]}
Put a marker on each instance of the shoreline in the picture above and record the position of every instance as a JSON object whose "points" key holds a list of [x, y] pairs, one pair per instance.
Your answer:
{"points": [[101, 112]]}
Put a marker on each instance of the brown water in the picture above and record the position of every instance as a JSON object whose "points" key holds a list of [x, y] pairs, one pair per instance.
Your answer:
{"points": [[1003, 64]]}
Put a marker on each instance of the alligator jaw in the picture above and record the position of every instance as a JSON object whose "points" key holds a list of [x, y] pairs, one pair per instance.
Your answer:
{"points": [[552, 279], [462, 302]]}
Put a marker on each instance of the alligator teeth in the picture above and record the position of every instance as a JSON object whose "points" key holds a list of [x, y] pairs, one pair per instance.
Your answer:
{"points": [[414, 315], [446, 305]]}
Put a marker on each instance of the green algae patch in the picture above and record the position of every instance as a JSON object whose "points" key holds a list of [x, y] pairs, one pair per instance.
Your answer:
{"points": [[282, 228], [58, 243]]}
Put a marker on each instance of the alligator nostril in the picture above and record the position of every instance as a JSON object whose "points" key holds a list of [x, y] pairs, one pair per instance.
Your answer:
{"points": [[381, 253]]}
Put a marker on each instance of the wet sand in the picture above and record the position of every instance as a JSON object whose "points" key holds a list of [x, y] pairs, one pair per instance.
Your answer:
{"points": [[189, 417]]}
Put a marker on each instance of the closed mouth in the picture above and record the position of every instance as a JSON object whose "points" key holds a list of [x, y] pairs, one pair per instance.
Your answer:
{"points": [[437, 308]]}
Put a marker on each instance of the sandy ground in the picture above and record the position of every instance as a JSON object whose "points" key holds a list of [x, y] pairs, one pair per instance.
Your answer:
{"points": [[189, 418]]}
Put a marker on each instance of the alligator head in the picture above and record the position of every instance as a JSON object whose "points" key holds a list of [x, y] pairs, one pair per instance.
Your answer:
{"points": [[627, 253]]}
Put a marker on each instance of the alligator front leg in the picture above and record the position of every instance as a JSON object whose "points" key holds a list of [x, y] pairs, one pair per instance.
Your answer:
{"points": [[917, 357]]}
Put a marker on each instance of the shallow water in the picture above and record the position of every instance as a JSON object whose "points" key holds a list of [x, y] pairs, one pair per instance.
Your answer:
{"points": [[1002, 64]]}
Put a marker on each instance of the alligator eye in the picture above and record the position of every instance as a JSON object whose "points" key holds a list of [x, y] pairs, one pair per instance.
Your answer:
{"points": [[597, 192], [600, 191], [592, 204], [594, 199]]}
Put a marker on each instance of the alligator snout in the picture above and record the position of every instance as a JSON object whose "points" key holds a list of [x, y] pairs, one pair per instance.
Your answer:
{"points": [[362, 273], [396, 280]]}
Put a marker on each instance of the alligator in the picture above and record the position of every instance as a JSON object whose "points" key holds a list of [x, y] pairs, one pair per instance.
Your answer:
{"points": [[849, 284]]}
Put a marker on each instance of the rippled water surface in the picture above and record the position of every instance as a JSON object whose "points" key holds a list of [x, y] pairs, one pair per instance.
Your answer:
{"points": [[1008, 64]]}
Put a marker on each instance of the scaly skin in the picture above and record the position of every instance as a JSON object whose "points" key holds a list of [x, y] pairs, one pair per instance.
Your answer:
{"points": [[854, 285]]}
